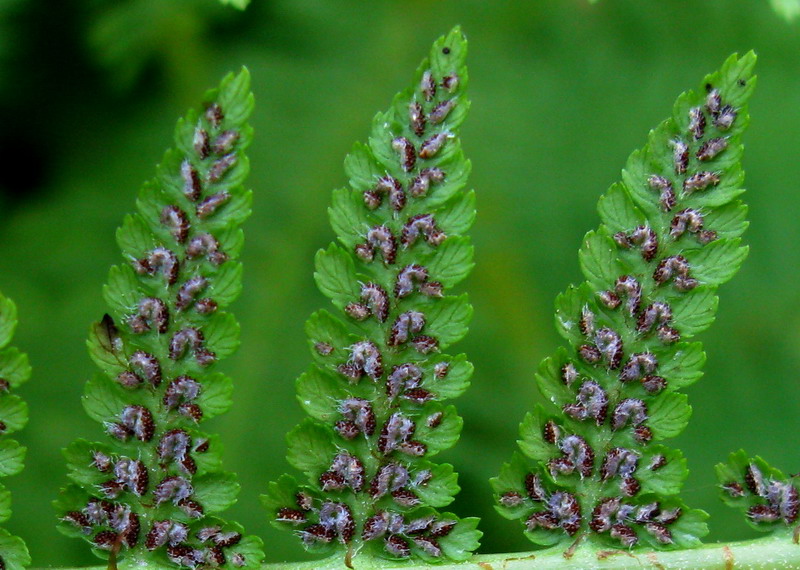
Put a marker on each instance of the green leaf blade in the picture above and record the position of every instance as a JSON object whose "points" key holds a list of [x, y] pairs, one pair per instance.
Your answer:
{"points": [[12, 455], [335, 275], [310, 445], [15, 553]]}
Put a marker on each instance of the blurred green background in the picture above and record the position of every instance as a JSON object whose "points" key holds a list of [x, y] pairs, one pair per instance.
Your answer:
{"points": [[562, 92]]}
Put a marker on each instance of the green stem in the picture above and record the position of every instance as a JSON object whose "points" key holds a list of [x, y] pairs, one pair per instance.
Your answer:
{"points": [[771, 552]]}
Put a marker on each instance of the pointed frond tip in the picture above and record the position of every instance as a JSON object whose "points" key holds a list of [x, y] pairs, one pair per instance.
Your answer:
{"points": [[376, 390], [151, 491], [671, 234]]}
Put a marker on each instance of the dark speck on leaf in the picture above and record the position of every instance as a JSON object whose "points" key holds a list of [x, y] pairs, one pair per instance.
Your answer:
{"points": [[446, 50]]}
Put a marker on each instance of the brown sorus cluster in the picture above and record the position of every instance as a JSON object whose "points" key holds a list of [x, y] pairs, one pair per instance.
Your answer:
{"points": [[779, 499]]}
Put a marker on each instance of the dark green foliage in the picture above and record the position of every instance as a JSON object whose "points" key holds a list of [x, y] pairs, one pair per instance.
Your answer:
{"points": [[149, 493], [379, 377], [14, 370], [670, 236], [240, 4], [130, 37], [768, 498]]}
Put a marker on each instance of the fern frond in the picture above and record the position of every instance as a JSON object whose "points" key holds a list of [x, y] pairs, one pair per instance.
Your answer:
{"points": [[590, 465], [151, 493], [14, 370], [375, 390]]}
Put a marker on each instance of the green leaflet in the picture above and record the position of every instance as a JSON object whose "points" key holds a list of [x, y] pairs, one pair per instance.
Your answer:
{"points": [[666, 479], [102, 400], [449, 317], [15, 554], [510, 483], [5, 505], [695, 313], [453, 262], [336, 275], [81, 471], [217, 395], [14, 412], [14, 370], [216, 491], [532, 442], [147, 493], [12, 455], [442, 488], [670, 235], [669, 414], [8, 321], [374, 393], [310, 446], [767, 497], [685, 367]]}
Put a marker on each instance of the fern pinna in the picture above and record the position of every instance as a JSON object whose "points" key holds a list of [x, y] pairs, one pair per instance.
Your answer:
{"points": [[149, 495], [14, 370], [670, 236], [769, 499], [379, 376]]}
